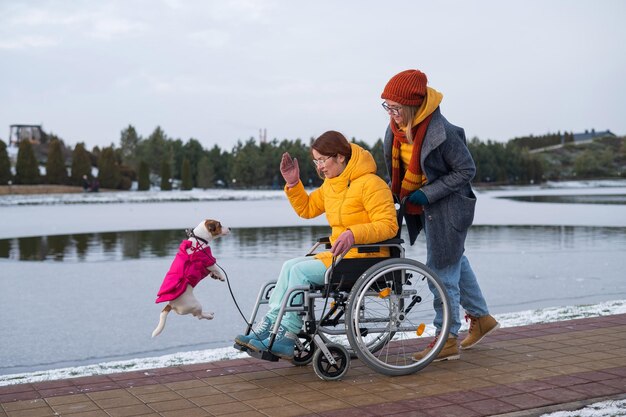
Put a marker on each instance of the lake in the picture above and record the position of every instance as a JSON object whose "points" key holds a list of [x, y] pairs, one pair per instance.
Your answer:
{"points": [[81, 298]]}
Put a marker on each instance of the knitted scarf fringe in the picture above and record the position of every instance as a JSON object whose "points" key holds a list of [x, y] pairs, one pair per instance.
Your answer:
{"points": [[413, 178]]}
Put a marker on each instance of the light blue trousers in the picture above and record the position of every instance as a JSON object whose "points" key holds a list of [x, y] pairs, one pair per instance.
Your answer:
{"points": [[305, 270], [463, 289]]}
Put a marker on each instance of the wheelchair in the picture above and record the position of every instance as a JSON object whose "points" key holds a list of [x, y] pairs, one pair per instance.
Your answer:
{"points": [[379, 310]]}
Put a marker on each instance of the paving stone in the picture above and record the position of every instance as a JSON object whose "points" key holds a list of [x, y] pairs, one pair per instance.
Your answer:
{"points": [[513, 370]]}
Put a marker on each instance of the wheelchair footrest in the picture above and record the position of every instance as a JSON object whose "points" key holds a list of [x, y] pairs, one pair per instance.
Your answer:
{"points": [[265, 355]]}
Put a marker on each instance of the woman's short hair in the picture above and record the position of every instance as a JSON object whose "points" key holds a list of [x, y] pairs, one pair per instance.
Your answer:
{"points": [[333, 143]]}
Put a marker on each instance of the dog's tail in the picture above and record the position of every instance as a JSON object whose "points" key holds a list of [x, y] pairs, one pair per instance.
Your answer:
{"points": [[162, 319]]}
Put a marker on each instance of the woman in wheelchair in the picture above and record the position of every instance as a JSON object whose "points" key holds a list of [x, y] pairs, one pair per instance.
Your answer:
{"points": [[359, 208]]}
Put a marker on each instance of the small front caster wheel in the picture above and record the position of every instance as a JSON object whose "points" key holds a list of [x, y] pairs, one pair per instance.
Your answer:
{"points": [[304, 350], [325, 369]]}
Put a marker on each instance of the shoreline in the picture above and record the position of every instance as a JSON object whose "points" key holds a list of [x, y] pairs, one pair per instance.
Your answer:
{"points": [[527, 370], [45, 189], [507, 320], [39, 189]]}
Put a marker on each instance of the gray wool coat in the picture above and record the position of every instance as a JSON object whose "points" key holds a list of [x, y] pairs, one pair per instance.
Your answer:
{"points": [[449, 168]]}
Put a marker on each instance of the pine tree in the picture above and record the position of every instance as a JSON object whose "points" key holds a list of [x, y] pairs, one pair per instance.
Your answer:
{"points": [[143, 182], [187, 182], [155, 149], [108, 169], [206, 173], [5, 164], [129, 140], [166, 185], [56, 172], [81, 164], [26, 167]]}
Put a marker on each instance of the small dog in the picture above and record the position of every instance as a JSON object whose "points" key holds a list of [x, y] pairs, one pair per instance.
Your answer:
{"points": [[192, 263]]}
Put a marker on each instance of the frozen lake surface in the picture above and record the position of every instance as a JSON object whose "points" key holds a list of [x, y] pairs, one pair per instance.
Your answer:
{"points": [[87, 316]]}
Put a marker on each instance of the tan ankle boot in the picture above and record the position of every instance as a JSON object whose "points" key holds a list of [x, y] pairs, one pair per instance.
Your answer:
{"points": [[449, 352], [479, 328]]}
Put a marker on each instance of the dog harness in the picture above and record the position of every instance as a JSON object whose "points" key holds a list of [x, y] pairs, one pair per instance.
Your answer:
{"points": [[185, 269]]}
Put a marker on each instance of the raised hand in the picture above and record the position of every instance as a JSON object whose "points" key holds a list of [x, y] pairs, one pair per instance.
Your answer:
{"points": [[290, 170]]}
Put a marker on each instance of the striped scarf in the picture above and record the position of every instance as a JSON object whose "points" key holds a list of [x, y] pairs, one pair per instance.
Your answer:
{"points": [[413, 178]]}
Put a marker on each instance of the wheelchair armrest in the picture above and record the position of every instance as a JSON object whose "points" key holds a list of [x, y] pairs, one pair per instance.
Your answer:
{"points": [[325, 240], [365, 247], [320, 241], [392, 241], [375, 247]]}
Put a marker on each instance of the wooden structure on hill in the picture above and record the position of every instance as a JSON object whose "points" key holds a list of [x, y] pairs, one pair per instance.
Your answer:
{"points": [[32, 133]]}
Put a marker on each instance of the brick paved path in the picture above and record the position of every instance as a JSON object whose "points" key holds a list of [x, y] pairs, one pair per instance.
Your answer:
{"points": [[520, 371]]}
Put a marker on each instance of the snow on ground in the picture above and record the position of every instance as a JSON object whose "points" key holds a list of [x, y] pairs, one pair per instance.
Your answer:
{"points": [[152, 196], [611, 408], [546, 315]]}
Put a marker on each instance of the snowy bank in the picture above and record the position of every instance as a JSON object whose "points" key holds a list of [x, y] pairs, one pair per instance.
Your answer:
{"points": [[546, 315]]}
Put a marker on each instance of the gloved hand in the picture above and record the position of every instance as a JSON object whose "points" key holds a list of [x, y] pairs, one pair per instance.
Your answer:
{"points": [[343, 243], [418, 197], [290, 170]]}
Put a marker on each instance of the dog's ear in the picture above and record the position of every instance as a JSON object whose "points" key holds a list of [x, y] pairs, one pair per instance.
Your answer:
{"points": [[211, 226]]}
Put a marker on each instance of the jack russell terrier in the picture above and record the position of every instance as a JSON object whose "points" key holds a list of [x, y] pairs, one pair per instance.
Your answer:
{"points": [[192, 263]]}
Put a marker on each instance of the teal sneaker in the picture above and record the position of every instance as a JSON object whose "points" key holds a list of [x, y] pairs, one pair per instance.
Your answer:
{"points": [[283, 347], [260, 332]]}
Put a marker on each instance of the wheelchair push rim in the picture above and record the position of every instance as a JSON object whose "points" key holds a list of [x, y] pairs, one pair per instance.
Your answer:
{"points": [[395, 298]]}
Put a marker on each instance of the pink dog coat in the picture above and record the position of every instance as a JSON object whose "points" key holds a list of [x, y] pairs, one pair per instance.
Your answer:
{"points": [[185, 269]]}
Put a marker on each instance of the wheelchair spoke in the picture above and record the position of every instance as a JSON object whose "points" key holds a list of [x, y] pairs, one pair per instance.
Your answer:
{"points": [[397, 302]]}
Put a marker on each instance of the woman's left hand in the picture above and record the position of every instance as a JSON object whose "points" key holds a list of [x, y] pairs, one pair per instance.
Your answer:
{"points": [[343, 243], [419, 198], [290, 170]]}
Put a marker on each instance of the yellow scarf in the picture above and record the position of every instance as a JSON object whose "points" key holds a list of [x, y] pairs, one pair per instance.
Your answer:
{"points": [[412, 178]]}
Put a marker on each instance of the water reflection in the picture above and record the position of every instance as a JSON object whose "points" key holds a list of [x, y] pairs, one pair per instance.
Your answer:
{"points": [[285, 242], [115, 246], [545, 238], [573, 199]]}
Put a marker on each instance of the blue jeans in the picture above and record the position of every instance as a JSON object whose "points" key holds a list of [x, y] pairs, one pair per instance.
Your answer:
{"points": [[463, 289], [305, 270]]}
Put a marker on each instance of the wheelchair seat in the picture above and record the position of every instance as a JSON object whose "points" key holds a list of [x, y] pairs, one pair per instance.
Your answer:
{"points": [[347, 271]]}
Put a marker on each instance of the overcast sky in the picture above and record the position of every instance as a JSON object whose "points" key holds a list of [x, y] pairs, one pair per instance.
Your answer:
{"points": [[218, 71]]}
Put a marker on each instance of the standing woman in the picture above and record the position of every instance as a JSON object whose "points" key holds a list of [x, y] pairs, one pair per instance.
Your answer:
{"points": [[429, 164], [359, 208]]}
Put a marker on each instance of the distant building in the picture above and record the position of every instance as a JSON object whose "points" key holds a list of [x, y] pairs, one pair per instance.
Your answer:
{"points": [[590, 135], [33, 133]]}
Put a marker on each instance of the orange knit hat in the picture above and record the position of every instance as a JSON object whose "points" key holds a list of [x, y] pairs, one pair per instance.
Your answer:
{"points": [[407, 88]]}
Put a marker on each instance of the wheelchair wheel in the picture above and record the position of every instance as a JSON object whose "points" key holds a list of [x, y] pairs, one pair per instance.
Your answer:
{"points": [[396, 300], [327, 371], [304, 350]]}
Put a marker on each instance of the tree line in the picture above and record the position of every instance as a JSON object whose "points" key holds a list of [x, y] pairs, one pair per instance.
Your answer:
{"points": [[166, 163]]}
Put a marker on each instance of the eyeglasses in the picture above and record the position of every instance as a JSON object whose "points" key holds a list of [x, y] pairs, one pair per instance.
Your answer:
{"points": [[322, 161], [394, 111]]}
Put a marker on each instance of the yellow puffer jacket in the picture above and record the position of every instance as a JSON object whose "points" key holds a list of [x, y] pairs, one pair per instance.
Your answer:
{"points": [[357, 199]]}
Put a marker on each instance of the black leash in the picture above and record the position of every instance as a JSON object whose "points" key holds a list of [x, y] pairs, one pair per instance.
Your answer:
{"points": [[202, 247], [190, 233]]}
